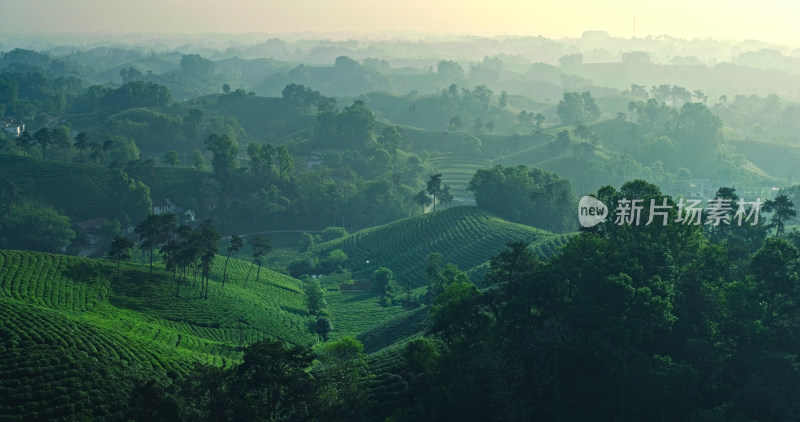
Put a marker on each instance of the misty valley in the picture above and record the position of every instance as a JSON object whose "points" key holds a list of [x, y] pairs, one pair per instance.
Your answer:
{"points": [[419, 228]]}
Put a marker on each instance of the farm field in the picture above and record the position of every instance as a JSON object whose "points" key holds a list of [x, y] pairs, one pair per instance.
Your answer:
{"points": [[70, 326], [465, 236]]}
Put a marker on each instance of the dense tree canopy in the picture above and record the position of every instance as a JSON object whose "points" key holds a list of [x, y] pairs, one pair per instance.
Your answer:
{"points": [[35, 228], [577, 108], [531, 196]]}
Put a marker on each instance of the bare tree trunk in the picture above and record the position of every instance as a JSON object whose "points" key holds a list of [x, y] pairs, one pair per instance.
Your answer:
{"points": [[248, 275]]}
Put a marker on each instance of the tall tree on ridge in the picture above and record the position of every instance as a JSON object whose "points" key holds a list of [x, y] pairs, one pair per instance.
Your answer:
{"points": [[43, 138], [434, 187], [82, 143], [120, 250], [260, 247]]}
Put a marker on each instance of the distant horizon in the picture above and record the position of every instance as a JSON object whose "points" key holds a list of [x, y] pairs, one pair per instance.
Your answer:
{"points": [[134, 37], [769, 21]]}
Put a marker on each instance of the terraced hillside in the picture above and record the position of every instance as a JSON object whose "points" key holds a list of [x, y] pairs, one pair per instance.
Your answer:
{"points": [[457, 171], [465, 236], [74, 337]]}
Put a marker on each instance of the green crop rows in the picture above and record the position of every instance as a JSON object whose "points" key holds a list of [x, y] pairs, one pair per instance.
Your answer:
{"points": [[403, 327], [465, 236], [70, 326]]}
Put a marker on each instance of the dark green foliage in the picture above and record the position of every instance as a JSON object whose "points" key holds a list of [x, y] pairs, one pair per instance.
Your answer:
{"points": [[344, 371], [206, 239], [381, 279], [302, 96], [85, 191], [315, 297], [351, 129], [698, 131], [531, 196], [307, 240], [120, 250], [422, 199], [301, 266], [224, 150], [324, 327], [195, 66], [172, 158], [130, 198], [782, 209], [198, 160], [35, 228], [43, 140], [626, 323], [272, 383], [154, 230], [434, 187], [335, 259], [130, 95]]}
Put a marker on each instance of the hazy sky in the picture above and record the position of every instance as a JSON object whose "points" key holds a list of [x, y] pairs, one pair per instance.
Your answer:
{"points": [[767, 20]]}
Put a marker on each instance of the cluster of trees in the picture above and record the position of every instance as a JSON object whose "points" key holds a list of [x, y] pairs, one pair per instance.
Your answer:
{"points": [[315, 300], [107, 100], [274, 382], [394, 291], [26, 223], [674, 322], [690, 135], [530, 196], [374, 175], [117, 150], [181, 246], [350, 129], [477, 99], [304, 97], [434, 193], [32, 227], [530, 121], [327, 264], [576, 108], [33, 86]]}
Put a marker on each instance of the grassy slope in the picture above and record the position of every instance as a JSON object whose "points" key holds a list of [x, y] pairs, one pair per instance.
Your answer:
{"points": [[65, 334]]}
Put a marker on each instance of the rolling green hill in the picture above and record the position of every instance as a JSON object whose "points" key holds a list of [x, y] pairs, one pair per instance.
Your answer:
{"points": [[465, 236], [74, 336]]}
